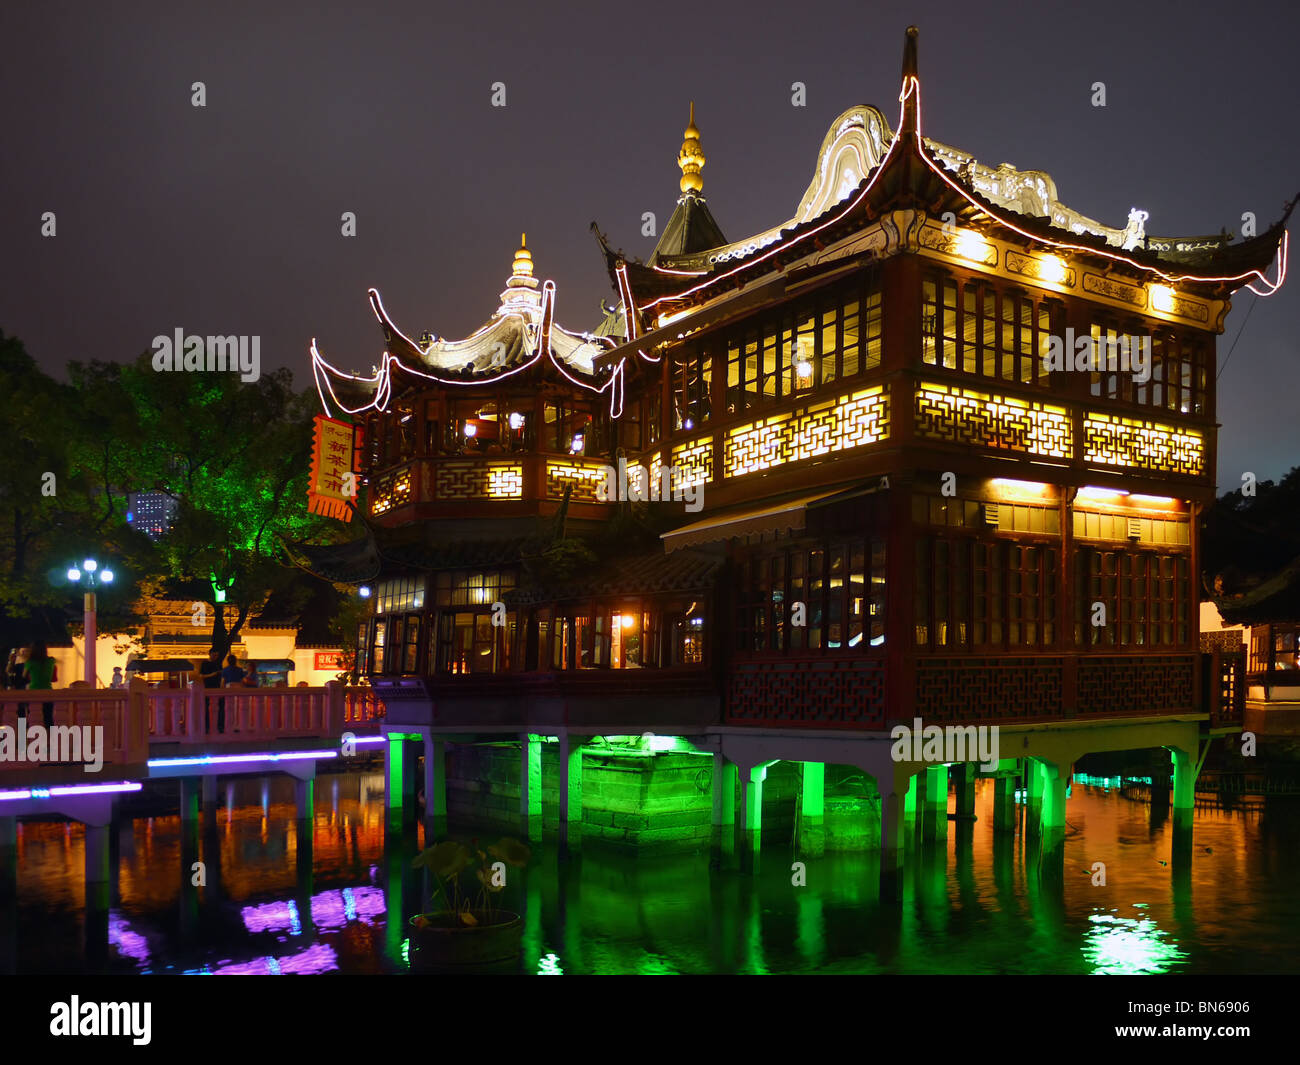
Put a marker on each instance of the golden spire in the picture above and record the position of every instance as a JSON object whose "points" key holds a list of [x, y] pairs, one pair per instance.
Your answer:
{"points": [[691, 157], [523, 264]]}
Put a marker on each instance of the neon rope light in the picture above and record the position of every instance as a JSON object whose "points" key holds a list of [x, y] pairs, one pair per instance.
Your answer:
{"points": [[229, 759], [60, 792]]}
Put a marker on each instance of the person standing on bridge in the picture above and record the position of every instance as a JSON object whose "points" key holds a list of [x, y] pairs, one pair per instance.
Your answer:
{"points": [[210, 674], [42, 671]]}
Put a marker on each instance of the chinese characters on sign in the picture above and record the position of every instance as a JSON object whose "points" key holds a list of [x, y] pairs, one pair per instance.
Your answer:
{"points": [[333, 486]]}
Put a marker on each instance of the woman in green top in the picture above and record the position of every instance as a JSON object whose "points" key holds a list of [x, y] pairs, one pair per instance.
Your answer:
{"points": [[42, 671]]}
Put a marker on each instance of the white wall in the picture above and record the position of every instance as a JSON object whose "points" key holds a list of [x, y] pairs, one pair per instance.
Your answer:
{"points": [[1212, 621]]}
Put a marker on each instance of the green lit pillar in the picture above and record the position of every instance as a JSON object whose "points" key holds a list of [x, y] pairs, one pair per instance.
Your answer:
{"points": [[435, 789], [570, 795], [1004, 797], [722, 848], [1184, 804], [1033, 796], [812, 811], [935, 815], [1052, 820], [394, 781], [909, 805], [751, 802], [530, 787]]}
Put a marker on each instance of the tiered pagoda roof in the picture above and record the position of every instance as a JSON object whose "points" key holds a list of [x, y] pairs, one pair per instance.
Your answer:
{"points": [[865, 170], [521, 336]]}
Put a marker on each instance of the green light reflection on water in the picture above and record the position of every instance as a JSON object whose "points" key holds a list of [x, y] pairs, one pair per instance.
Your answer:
{"points": [[1122, 946]]}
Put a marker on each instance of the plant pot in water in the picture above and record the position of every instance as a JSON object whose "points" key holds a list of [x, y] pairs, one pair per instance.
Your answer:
{"points": [[443, 943]]}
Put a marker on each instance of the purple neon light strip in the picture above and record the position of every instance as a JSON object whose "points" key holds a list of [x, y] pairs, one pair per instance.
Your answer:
{"points": [[59, 792], [228, 759]]}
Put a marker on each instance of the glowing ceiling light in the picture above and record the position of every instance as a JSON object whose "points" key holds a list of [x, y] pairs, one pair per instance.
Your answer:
{"points": [[1162, 297], [1093, 492], [804, 369], [970, 245], [516, 420], [470, 429], [1160, 501], [364, 591], [74, 574], [627, 621], [90, 565], [1052, 270], [106, 576], [1023, 486]]}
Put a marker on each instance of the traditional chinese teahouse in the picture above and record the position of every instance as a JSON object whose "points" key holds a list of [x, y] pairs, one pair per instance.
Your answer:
{"points": [[948, 440]]}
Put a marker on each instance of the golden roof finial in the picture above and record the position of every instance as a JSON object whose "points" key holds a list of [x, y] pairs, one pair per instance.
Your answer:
{"points": [[691, 157], [523, 264]]}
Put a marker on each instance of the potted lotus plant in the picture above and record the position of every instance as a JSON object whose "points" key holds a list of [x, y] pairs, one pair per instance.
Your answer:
{"points": [[467, 926]]}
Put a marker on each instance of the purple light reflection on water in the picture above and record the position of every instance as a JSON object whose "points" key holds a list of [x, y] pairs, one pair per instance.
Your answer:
{"points": [[330, 910], [315, 959], [129, 944]]}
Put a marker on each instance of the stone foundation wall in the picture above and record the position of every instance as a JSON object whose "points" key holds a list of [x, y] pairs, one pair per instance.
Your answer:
{"points": [[645, 803]]}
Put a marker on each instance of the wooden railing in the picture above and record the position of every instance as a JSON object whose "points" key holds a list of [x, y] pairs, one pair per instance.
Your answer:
{"points": [[134, 718], [121, 715]]}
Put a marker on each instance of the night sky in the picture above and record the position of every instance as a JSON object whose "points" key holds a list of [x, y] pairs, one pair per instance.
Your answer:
{"points": [[226, 219]]}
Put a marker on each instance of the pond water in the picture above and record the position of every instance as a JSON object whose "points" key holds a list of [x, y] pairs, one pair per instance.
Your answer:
{"points": [[969, 907]]}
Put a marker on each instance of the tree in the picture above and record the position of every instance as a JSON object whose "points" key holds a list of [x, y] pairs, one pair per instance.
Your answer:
{"points": [[236, 456]]}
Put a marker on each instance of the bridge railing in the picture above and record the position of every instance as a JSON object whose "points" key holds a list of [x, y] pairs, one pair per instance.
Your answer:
{"points": [[233, 715], [121, 715]]}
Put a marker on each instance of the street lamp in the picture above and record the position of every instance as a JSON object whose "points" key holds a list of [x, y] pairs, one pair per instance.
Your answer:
{"points": [[89, 577]]}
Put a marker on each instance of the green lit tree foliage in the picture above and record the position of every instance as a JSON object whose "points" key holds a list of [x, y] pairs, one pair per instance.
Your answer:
{"points": [[235, 454]]}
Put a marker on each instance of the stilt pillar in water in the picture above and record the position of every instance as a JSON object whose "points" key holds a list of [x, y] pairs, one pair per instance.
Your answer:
{"points": [[435, 789], [894, 824], [723, 842], [1184, 803], [98, 888], [1033, 796], [570, 795], [909, 806], [935, 825], [1052, 819], [530, 787], [964, 782], [1004, 797], [812, 810], [397, 782], [751, 799], [8, 857]]}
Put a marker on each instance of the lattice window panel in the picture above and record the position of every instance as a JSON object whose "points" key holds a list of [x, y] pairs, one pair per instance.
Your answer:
{"points": [[1114, 441], [970, 689], [692, 464], [585, 480], [812, 692], [391, 491], [479, 480], [506, 482], [978, 419], [1136, 685], [848, 422]]}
